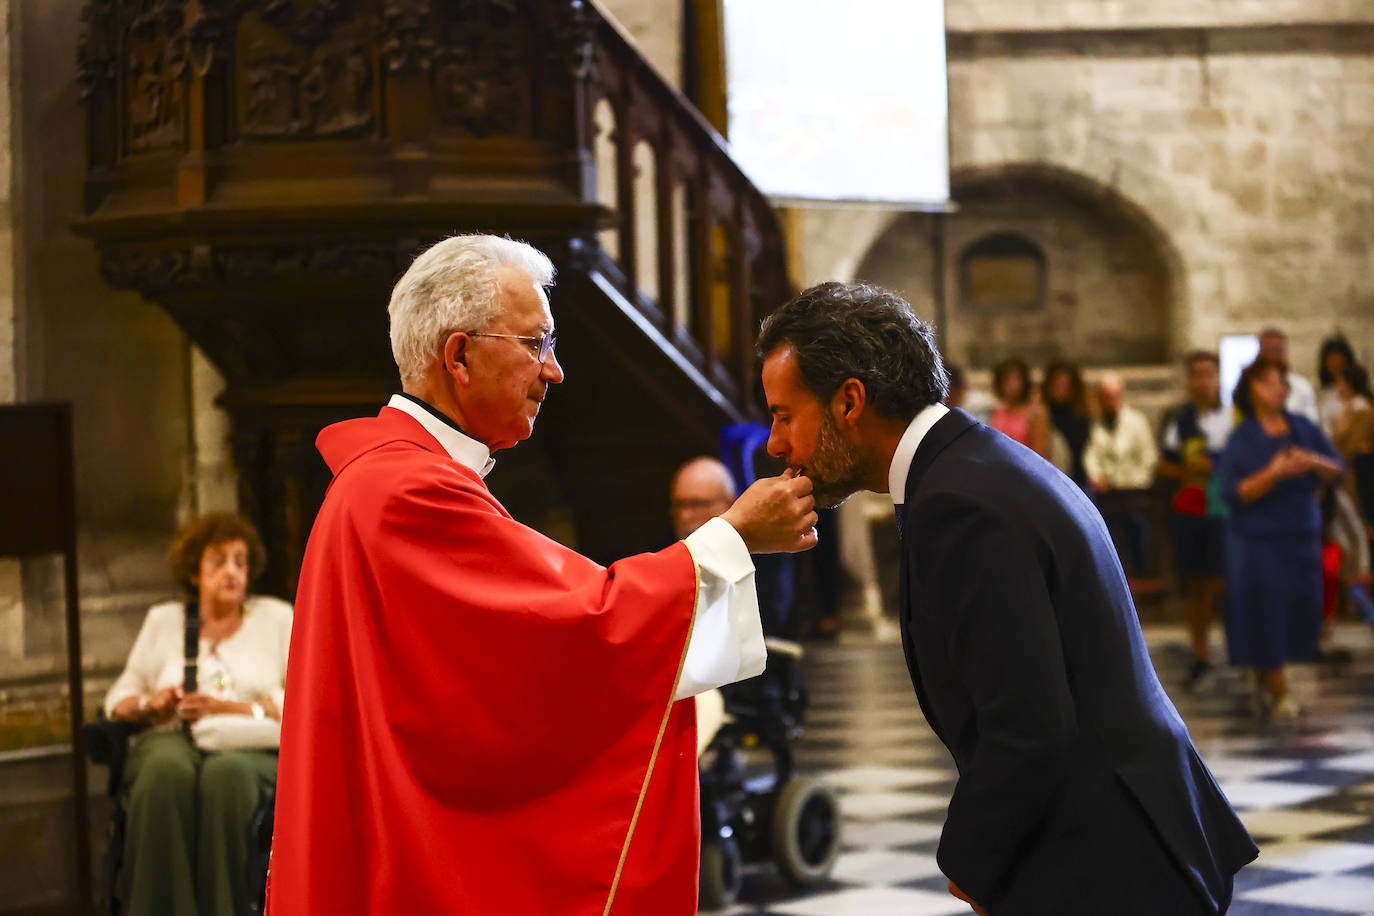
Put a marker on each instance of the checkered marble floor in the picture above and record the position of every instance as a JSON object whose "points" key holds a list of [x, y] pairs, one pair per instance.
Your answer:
{"points": [[1306, 792]]}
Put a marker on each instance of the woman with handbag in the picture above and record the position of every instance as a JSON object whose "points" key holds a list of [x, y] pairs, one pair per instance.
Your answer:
{"points": [[206, 677]]}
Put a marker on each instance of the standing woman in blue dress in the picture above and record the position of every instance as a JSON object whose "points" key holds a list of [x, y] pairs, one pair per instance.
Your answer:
{"points": [[1272, 473]]}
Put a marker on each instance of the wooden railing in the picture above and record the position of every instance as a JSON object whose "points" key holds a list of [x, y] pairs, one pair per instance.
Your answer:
{"points": [[694, 245]]}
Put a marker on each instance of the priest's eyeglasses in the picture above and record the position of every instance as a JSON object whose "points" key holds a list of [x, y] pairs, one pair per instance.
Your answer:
{"points": [[544, 343]]}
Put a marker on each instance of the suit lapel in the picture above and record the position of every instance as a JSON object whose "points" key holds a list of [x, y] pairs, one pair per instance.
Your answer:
{"points": [[946, 430]]}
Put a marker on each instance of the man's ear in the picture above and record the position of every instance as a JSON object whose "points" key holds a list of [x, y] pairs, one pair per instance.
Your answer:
{"points": [[848, 403], [456, 357]]}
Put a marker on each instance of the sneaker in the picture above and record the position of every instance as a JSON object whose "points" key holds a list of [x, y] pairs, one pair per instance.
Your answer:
{"points": [[1198, 672], [1285, 711]]}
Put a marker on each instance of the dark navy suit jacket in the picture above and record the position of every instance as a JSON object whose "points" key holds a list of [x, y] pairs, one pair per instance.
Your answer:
{"points": [[1079, 788]]}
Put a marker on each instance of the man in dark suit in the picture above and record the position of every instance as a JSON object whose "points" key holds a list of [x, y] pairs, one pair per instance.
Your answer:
{"points": [[1079, 789]]}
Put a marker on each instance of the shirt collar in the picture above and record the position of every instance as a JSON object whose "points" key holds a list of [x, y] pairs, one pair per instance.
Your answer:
{"points": [[906, 450], [463, 448]]}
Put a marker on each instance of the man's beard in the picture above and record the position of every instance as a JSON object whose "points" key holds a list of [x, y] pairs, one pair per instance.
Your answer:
{"points": [[837, 469]]}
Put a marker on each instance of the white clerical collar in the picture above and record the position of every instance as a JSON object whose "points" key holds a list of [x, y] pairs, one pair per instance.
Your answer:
{"points": [[465, 450], [906, 450]]}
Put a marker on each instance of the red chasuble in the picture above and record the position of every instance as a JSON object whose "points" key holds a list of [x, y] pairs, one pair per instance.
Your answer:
{"points": [[477, 719]]}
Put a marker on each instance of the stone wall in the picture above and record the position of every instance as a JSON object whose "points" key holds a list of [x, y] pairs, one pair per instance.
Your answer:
{"points": [[8, 371], [11, 605], [1246, 148], [1114, 14], [1106, 297], [655, 27], [119, 360], [125, 367]]}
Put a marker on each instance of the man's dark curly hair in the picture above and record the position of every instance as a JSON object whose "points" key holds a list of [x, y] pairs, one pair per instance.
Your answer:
{"points": [[862, 331], [203, 532]]}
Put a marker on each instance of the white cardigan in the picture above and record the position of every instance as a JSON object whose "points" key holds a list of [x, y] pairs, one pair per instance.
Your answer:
{"points": [[1124, 457], [247, 666]]}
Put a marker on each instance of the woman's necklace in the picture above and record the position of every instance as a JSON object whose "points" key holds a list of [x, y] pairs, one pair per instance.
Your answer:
{"points": [[215, 630]]}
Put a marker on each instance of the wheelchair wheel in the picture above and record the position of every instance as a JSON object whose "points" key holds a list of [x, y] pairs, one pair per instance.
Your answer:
{"points": [[806, 830], [722, 871]]}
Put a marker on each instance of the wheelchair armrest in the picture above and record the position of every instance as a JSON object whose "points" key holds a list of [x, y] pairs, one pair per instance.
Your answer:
{"points": [[106, 743]]}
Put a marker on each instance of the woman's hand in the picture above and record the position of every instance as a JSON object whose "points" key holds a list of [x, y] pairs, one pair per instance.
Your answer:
{"points": [[154, 708], [1317, 463], [162, 705], [194, 706], [1288, 462]]}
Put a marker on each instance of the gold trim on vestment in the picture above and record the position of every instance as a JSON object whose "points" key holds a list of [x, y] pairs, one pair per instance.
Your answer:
{"points": [[658, 741]]}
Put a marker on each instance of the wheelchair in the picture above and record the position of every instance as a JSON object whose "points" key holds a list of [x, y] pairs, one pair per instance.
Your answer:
{"points": [[751, 814], [106, 743]]}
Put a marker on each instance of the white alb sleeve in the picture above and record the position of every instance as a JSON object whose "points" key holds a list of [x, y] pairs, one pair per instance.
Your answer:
{"points": [[727, 638]]}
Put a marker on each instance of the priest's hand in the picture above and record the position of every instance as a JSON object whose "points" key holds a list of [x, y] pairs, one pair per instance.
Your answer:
{"points": [[776, 515]]}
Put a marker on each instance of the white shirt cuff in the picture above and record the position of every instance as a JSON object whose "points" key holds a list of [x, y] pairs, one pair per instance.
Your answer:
{"points": [[718, 549], [727, 635]]}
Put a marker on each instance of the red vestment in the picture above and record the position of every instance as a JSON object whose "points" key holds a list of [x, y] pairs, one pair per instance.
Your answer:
{"points": [[477, 719]]}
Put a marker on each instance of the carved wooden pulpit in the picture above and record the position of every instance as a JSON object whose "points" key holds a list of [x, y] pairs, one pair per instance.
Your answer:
{"points": [[265, 170]]}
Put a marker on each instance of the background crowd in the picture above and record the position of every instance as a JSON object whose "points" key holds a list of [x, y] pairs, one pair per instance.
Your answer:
{"points": [[1266, 491]]}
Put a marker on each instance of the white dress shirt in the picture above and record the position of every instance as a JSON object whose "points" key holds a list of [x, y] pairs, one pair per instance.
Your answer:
{"points": [[1302, 399], [1216, 426], [727, 637], [906, 450]]}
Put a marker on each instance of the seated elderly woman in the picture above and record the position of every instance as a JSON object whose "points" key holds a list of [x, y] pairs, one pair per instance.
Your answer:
{"points": [[196, 774]]}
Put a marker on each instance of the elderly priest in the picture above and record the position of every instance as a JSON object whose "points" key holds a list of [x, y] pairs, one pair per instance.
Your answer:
{"points": [[478, 719]]}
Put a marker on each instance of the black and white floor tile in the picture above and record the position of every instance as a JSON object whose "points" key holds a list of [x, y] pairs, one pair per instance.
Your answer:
{"points": [[1305, 791]]}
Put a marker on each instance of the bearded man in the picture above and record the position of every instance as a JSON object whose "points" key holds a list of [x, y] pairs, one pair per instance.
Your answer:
{"points": [[1079, 789]]}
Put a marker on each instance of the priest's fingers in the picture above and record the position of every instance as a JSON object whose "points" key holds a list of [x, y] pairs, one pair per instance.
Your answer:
{"points": [[804, 541], [771, 514]]}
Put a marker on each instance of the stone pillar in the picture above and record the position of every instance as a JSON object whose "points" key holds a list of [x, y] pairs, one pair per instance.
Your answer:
{"points": [[11, 606], [213, 478]]}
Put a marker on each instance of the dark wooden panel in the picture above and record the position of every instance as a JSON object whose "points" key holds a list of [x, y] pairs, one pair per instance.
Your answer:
{"points": [[36, 479]]}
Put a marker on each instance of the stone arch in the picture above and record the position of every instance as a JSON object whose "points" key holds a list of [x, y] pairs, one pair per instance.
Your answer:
{"points": [[1116, 284]]}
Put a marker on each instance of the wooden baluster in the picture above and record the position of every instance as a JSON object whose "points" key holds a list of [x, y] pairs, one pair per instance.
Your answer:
{"points": [[741, 310], [625, 138], [703, 268], [665, 177]]}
